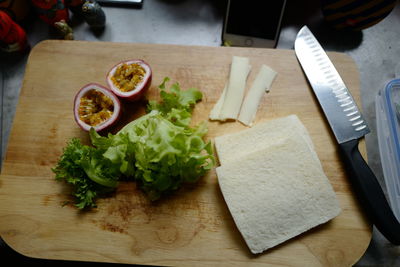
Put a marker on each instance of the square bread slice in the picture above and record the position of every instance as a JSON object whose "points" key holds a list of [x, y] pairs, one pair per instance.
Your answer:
{"points": [[277, 193], [262, 135]]}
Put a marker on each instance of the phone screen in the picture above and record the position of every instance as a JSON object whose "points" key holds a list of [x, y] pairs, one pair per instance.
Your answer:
{"points": [[254, 18]]}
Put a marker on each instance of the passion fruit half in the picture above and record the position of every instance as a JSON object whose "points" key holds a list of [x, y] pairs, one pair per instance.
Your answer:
{"points": [[130, 79], [96, 106]]}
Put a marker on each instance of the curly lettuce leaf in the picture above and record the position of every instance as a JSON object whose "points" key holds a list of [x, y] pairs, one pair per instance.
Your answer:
{"points": [[117, 149], [176, 105], [86, 170], [167, 154]]}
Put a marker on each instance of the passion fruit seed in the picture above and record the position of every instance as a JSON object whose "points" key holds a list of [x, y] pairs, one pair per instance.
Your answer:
{"points": [[128, 76], [95, 107]]}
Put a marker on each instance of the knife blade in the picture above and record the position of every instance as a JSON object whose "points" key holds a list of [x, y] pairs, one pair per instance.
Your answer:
{"points": [[348, 126]]}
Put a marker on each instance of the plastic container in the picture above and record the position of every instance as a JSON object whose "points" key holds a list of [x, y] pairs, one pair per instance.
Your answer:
{"points": [[388, 129]]}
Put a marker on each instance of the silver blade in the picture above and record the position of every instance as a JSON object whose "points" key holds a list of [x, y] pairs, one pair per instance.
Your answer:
{"points": [[340, 109]]}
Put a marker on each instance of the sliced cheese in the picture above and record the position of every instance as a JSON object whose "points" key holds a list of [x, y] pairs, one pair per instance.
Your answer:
{"points": [[262, 135], [277, 193], [261, 84], [233, 99], [216, 111]]}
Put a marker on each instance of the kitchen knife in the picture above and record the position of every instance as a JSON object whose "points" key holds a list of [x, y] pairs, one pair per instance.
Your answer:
{"points": [[348, 126]]}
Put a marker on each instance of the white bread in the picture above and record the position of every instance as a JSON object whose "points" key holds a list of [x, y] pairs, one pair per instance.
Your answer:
{"points": [[238, 144], [276, 192]]}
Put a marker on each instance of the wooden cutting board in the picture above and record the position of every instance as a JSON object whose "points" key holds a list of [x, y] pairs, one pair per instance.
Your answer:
{"points": [[192, 227]]}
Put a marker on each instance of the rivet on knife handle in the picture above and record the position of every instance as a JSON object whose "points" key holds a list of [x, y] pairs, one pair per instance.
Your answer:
{"points": [[348, 125]]}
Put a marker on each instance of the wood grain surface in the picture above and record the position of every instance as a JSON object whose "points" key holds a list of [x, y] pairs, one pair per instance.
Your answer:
{"points": [[192, 227]]}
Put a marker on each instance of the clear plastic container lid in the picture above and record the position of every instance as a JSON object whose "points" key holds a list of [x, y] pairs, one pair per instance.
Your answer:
{"points": [[388, 129]]}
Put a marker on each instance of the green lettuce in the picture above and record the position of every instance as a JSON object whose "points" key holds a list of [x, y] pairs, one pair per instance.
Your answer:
{"points": [[86, 169], [160, 151]]}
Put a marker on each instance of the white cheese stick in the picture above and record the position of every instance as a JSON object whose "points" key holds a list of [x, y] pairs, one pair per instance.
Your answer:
{"points": [[240, 69], [261, 84], [216, 111]]}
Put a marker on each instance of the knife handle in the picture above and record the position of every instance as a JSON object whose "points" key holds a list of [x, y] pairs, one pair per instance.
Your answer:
{"points": [[370, 192]]}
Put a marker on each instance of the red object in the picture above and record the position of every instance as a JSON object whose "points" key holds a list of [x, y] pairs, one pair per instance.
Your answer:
{"points": [[74, 3], [51, 11], [12, 36]]}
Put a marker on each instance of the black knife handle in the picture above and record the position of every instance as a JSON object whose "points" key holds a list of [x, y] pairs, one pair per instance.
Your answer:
{"points": [[370, 192]]}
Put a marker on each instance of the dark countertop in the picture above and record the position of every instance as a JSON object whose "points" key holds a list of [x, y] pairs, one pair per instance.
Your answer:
{"points": [[375, 50]]}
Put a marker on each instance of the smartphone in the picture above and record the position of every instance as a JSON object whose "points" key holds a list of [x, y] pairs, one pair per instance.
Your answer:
{"points": [[135, 3], [253, 23]]}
